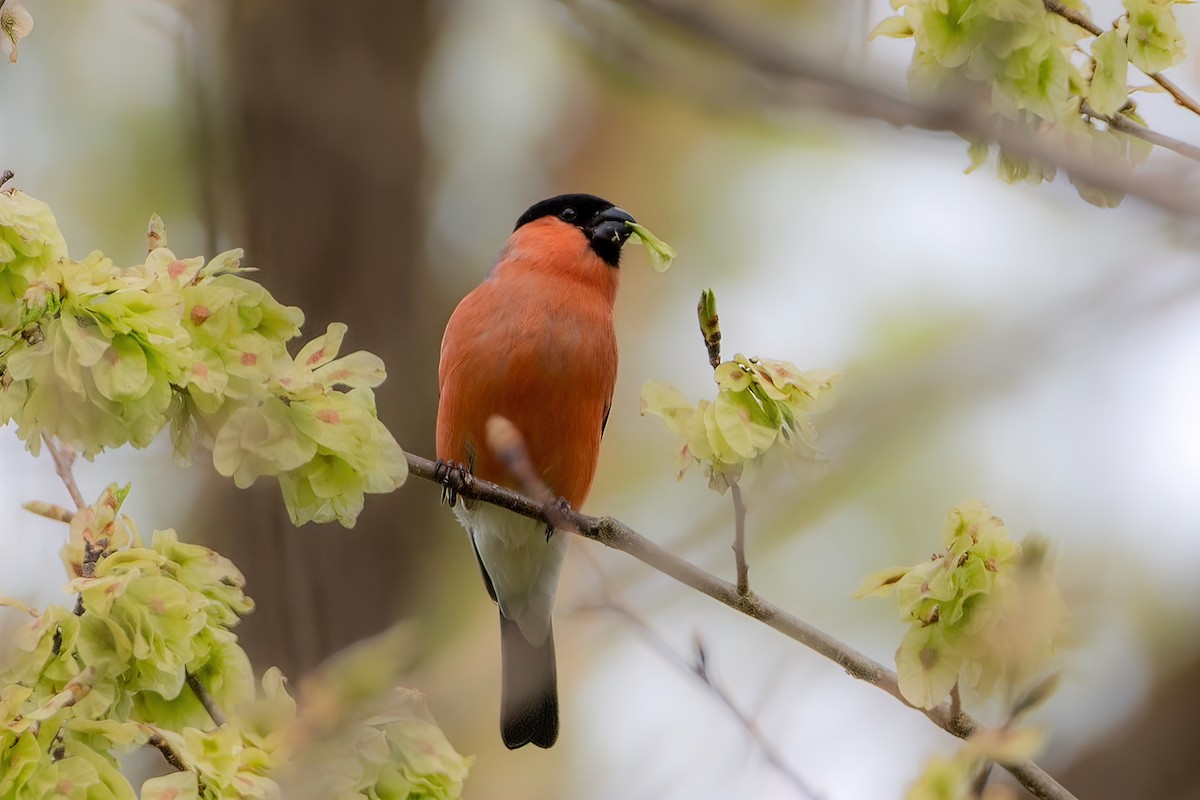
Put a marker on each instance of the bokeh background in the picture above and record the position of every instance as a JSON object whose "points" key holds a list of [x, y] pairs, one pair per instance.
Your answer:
{"points": [[1003, 342]]}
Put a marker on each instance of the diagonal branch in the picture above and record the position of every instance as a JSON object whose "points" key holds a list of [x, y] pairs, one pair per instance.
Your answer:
{"points": [[176, 762], [837, 92], [1122, 123], [699, 670], [210, 705], [619, 536], [1082, 20], [1074, 16], [1181, 98], [63, 459]]}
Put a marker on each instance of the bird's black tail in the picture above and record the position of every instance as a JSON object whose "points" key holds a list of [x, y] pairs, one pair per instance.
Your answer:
{"points": [[529, 695]]}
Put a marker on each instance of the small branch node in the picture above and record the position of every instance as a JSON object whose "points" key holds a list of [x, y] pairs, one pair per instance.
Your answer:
{"points": [[91, 555]]}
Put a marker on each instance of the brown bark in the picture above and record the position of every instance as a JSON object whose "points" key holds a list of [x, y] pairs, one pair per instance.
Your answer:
{"points": [[323, 112]]}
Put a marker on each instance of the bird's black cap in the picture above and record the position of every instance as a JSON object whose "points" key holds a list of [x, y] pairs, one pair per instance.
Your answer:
{"points": [[601, 221]]}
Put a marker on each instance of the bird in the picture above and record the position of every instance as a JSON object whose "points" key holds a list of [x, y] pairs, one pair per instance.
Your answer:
{"points": [[534, 343]]}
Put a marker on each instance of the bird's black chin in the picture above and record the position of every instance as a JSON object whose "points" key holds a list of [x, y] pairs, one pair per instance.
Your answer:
{"points": [[608, 233]]}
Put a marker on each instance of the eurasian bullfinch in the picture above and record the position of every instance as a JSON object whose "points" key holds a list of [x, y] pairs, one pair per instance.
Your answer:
{"points": [[533, 343]]}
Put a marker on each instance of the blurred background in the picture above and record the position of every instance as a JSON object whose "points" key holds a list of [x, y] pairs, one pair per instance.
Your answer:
{"points": [[1009, 343]]}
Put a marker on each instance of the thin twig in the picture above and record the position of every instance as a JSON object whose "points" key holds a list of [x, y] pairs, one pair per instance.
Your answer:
{"points": [[619, 536], [57, 749], [1181, 97], [161, 745], [172, 758], [739, 539], [1122, 123], [214, 711], [1079, 18], [63, 459], [822, 87], [1073, 16], [981, 779], [49, 511], [699, 670]]}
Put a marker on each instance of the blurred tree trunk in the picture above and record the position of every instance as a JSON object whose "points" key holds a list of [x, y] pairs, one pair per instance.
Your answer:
{"points": [[328, 154], [1152, 754]]}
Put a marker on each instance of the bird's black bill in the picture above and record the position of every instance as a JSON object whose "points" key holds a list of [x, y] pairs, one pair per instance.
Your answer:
{"points": [[611, 225], [609, 232]]}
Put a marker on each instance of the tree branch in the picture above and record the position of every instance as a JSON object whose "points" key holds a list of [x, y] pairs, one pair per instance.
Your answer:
{"points": [[214, 711], [739, 539], [825, 88], [1181, 98], [63, 459], [49, 511], [615, 534], [1079, 18], [1073, 16], [699, 670], [1119, 122], [979, 785], [171, 757], [160, 744]]}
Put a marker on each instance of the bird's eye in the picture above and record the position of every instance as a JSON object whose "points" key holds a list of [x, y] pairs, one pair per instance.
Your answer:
{"points": [[567, 215]]}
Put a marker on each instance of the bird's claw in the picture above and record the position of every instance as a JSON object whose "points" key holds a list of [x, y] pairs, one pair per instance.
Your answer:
{"points": [[558, 507], [453, 477]]}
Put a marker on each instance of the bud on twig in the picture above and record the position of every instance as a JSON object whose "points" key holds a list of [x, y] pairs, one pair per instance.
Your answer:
{"points": [[710, 326], [49, 511], [156, 235]]}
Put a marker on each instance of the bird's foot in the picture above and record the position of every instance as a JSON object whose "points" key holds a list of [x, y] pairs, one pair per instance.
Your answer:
{"points": [[454, 478], [556, 509]]}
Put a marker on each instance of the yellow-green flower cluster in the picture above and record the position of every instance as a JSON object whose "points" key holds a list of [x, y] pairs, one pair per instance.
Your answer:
{"points": [[100, 351], [761, 405], [117, 675], [401, 753], [102, 356], [982, 613], [1015, 56], [29, 243], [318, 431], [151, 614]]}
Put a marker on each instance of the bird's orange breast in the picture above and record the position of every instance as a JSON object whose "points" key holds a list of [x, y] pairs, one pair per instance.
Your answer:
{"points": [[534, 343]]}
